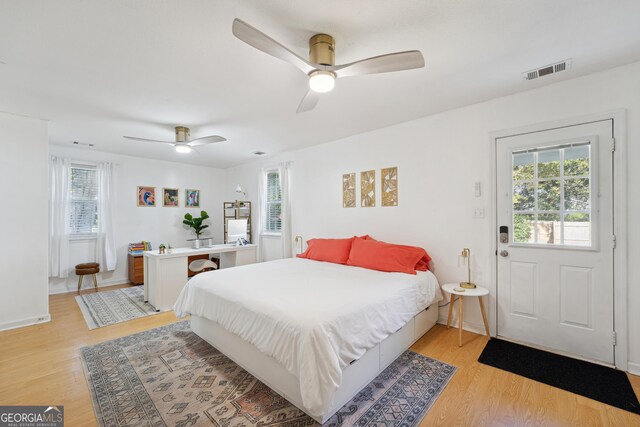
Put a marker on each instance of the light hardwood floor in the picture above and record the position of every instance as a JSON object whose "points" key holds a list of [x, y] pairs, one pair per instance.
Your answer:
{"points": [[40, 365]]}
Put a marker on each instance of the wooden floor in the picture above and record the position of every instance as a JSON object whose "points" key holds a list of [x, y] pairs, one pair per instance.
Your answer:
{"points": [[40, 365]]}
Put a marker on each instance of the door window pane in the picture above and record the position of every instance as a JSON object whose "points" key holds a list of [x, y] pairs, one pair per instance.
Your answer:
{"points": [[576, 161], [523, 166], [549, 164], [549, 229], [523, 228], [577, 194], [524, 196], [577, 229], [551, 196]]}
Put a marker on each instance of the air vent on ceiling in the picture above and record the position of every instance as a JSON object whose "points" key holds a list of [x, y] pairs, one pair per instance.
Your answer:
{"points": [[259, 153], [547, 70]]}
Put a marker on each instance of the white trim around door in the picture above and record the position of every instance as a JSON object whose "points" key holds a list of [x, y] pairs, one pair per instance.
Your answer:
{"points": [[618, 117]]}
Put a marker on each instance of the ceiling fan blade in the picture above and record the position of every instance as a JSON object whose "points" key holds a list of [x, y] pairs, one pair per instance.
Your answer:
{"points": [[263, 42], [309, 102], [135, 138], [381, 64], [211, 139]]}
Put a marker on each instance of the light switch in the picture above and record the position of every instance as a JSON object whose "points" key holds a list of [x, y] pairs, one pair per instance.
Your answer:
{"points": [[478, 189], [478, 213]]}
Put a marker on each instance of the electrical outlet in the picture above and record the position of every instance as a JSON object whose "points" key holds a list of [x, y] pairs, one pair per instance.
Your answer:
{"points": [[478, 213]]}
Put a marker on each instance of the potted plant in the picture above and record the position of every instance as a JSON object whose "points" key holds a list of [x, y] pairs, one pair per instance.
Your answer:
{"points": [[197, 224]]}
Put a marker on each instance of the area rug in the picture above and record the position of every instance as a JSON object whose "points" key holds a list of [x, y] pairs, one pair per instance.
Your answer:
{"points": [[597, 382], [108, 307], [170, 376]]}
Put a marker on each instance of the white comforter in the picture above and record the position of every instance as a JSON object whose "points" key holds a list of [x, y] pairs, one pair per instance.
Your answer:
{"points": [[313, 317]]}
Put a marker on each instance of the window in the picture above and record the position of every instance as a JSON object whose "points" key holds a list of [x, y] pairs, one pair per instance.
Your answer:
{"points": [[552, 196], [83, 200], [273, 203]]}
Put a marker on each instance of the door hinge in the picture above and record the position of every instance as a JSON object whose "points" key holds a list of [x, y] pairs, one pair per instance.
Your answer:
{"points": [[614, 338], [613, 145], [614, 241]]}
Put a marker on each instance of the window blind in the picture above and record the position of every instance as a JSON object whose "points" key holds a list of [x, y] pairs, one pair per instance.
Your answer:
{"points": [[83, 215], [273, 203]]}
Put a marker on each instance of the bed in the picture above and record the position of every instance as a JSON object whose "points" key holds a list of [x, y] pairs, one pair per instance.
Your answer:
{"points": [[315, 332]]}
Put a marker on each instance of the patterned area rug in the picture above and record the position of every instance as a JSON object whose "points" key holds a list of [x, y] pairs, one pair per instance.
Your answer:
{"points": [[106, 308], [170, 376]]}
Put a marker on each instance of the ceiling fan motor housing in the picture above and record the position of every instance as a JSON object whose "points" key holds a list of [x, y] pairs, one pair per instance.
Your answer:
{"points": [[322, 49], [182, 134]]}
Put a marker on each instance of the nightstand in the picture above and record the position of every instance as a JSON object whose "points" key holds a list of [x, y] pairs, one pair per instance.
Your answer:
{"points": [[478, 291]]}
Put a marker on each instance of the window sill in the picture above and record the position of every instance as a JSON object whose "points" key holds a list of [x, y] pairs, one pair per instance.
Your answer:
{"points": [[271, 235], [82, 237]]}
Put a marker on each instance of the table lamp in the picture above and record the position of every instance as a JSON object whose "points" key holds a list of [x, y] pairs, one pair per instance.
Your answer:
{"points": [[466, 253]]}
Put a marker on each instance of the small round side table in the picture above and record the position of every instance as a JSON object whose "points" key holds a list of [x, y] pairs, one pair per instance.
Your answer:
{"points": [[478, 291]]}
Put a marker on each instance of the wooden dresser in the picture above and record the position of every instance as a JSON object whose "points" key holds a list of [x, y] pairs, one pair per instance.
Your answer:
{"points": [[136, 269]]}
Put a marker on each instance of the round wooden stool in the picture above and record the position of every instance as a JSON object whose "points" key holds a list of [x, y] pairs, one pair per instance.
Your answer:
{"points": [[82, 270]]}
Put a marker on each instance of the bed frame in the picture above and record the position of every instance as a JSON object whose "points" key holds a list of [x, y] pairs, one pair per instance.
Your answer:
{"points": [[354, 377]]}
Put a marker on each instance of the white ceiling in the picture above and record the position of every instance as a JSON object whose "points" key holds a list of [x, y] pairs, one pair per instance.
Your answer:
{"points": [[102, 69]]}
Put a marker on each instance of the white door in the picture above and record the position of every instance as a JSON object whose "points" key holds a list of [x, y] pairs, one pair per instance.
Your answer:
{"points": [[555, 261]]}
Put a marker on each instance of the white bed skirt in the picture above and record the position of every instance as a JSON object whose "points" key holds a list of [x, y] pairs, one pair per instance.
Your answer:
{"points": [[354, 377]]}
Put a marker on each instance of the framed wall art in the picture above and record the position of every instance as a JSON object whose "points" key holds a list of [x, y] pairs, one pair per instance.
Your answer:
{"points": [[191, 198], [146, 196], [349, 190], [389, 179], [170, 197], [368, 189]]}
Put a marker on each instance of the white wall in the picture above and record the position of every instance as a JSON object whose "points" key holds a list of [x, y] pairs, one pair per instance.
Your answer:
{"points": [[23, 227], [439, 158], [156, 224]]}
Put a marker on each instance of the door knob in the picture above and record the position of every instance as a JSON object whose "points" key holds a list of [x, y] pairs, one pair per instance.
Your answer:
{"points": [[504, 253]]}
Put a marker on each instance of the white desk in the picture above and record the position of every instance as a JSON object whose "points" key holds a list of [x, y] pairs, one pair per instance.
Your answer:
{"points": [[166, 274]]}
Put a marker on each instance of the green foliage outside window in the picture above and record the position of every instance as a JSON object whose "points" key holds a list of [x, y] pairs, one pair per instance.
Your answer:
{"points": [[548, 203]]}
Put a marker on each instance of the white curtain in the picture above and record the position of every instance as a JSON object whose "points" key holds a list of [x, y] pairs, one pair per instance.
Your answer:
{"points": [[257, 227], [105, 245], [285, 213], [59, 181]]}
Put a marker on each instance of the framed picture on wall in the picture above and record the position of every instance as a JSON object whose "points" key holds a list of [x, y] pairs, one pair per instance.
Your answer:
{"points": [[368, 189], [170, 197], [191, 198], [349, 190], [146, 196], [389, 178]]}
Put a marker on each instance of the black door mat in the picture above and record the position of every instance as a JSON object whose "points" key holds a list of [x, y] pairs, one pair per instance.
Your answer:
{"points": [[606, 385]]}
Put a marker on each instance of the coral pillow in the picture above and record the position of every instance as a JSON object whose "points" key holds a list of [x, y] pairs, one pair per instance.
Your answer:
{"points": [[388, 257], [328, 250]]}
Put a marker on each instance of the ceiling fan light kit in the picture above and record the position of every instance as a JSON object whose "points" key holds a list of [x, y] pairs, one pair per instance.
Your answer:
{"points": [[322, 49], [183, 143], [321, 68], [322, 81], [183, 148]]}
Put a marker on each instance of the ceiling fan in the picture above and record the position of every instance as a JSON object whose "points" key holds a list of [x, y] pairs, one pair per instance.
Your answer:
{"points": [[183, 142], [320, 67]]}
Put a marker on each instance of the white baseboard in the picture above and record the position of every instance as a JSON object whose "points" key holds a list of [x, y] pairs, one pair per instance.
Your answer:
{"points": [[633, 368], [24, 322], [101, 284], [467, 326]]}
